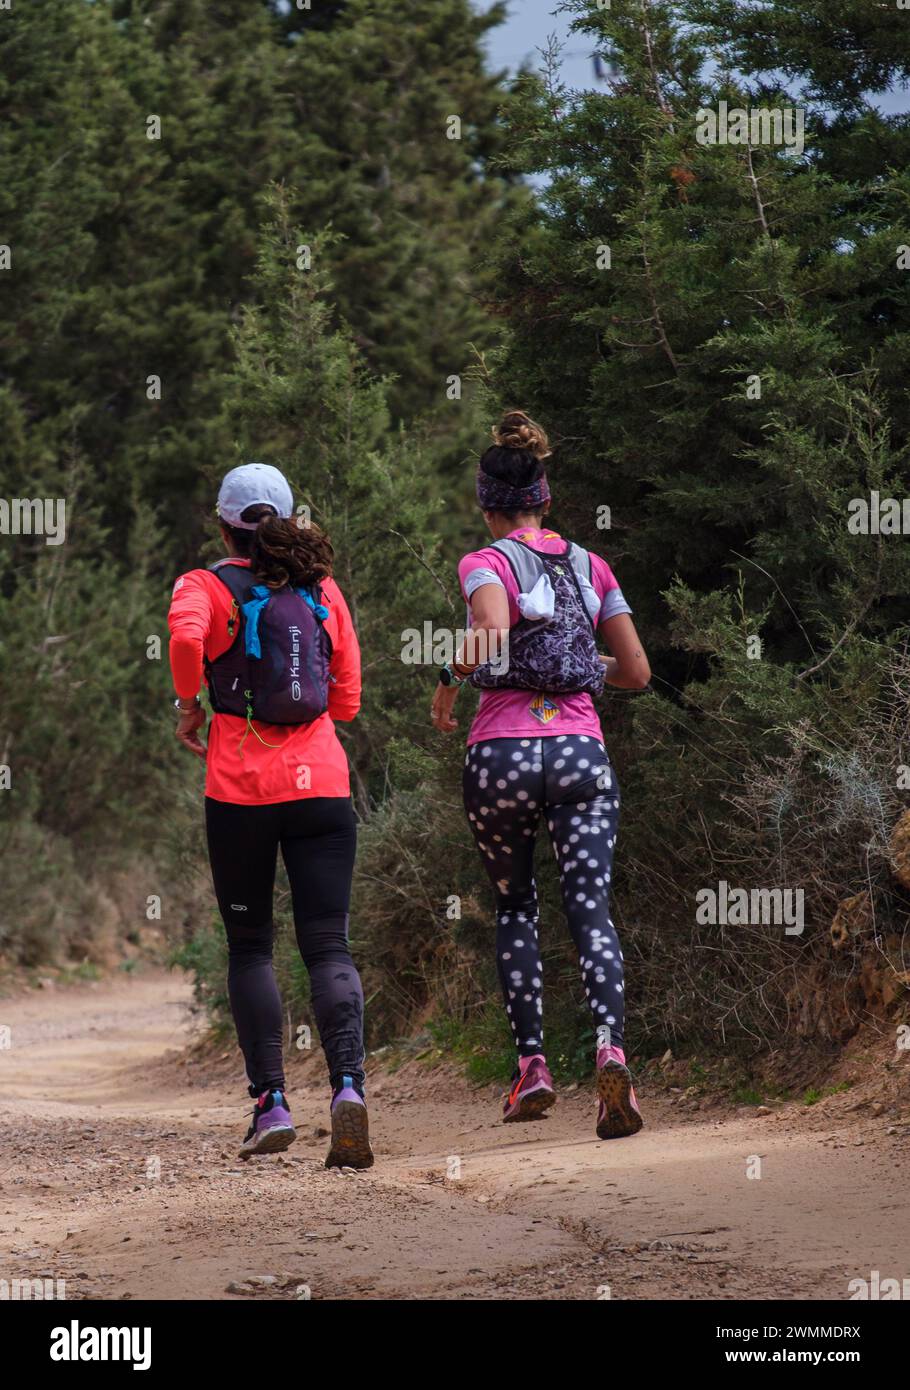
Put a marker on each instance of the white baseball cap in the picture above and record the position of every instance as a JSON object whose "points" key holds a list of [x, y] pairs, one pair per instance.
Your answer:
{"points": [[251, 485]]}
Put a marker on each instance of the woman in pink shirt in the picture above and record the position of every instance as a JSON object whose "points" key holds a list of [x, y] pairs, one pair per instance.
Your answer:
{"points": [[535, 749]]}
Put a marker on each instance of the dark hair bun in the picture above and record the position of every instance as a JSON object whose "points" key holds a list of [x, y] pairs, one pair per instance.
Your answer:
{"points": [[516, 430]]}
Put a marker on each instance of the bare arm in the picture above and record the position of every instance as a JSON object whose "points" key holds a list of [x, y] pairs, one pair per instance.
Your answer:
{"points": [[490, 617], [483, 642], [627, 666]]}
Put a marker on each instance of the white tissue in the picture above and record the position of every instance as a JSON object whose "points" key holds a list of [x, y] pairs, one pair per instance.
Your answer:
{"points": [[540, 604]]}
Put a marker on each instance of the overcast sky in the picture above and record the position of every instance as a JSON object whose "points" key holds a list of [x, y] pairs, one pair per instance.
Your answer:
{"points": [[527, 28], [531, 21]]}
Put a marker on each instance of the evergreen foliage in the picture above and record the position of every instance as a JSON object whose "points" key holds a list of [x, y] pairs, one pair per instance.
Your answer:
{"points": [[717, 336]]}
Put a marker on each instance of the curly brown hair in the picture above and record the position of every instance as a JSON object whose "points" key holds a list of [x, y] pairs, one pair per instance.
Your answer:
{"points": [[283, 550], [516, 430]]}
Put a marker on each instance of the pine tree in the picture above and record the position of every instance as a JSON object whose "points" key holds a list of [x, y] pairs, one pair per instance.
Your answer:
{"points": [[724, 329], [302, 397], [839, 49], [401, 165]]}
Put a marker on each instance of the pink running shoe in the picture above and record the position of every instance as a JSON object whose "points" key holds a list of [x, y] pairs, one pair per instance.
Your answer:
{"points": [[531, 1093], [618, 1115]]}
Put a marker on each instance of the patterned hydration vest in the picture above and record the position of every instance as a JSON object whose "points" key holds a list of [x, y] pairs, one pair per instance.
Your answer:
{"points": [[557, 654]]}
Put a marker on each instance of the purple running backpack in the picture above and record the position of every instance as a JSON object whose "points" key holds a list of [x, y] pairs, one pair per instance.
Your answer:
{"points": [[277, 667], [557, 655]]}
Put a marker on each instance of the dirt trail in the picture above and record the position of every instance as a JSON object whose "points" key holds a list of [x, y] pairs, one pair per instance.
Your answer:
{"points": [[118, 1173]]}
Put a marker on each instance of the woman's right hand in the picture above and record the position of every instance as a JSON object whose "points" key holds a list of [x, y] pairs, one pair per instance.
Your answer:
{"points": [[189, 722], [441, 709]]}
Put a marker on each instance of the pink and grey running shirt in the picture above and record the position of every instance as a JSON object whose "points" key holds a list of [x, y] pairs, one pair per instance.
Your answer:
{"points": [[531, 713]]}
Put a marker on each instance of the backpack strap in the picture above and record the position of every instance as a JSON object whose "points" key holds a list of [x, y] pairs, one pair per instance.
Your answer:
{"points": [[523, 562], [321, 609], [312, 597], [239, 582], [580, 560], [527, 570], [237, 579]]}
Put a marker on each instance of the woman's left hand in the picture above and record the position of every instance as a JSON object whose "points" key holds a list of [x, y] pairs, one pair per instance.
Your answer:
{"points": [[441, 710]]}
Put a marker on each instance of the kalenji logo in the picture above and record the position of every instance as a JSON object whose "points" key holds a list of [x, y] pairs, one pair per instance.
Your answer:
{"points": [[294, 632], [75, 1343]]}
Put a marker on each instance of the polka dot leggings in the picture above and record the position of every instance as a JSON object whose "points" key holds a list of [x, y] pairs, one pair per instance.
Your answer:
{"points": [[508, 784]]}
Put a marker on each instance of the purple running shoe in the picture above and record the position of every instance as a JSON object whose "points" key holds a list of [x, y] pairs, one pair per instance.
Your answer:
{"points": [[350, 1146], [531, 1093], [271, 1130]]}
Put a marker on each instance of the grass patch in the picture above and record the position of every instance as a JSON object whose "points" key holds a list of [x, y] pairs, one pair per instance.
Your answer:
{"points": [[746, 1095], [814, 1094]]}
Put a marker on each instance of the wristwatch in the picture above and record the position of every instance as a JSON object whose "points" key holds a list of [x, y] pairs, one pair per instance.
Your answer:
{"points": [[181, 709], [448, 677]]}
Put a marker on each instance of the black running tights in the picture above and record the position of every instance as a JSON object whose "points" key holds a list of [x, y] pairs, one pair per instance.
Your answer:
{"points": [[318, 838]]}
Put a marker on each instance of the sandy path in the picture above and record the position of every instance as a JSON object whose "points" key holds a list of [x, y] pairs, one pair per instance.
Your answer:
{"points": [[117, 1173]]}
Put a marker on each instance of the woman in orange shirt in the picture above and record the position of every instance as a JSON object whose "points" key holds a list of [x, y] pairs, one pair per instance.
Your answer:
{"points": [[270, 631]]}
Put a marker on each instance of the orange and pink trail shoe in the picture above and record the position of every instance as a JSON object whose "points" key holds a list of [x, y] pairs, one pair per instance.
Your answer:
{"points": [[618, 1115], [531, 1093]]}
